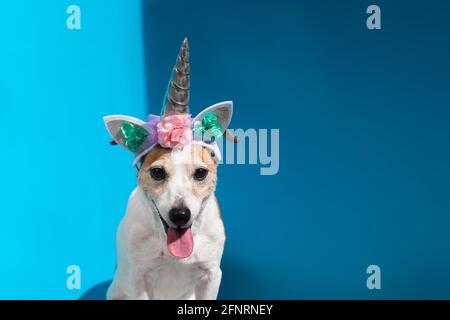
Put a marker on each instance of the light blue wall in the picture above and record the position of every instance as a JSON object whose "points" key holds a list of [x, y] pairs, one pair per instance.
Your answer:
{"points": [[364, 150], [64, 188]]}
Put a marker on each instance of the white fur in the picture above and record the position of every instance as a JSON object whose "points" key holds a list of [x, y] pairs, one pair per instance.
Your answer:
{"points": [[145, 269]]}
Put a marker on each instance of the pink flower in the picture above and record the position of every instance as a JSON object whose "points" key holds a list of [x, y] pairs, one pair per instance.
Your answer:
{"points": [[174, 130]]}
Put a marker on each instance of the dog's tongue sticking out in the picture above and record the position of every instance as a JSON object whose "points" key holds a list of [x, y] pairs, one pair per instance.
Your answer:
{"points": [[180, 242]]}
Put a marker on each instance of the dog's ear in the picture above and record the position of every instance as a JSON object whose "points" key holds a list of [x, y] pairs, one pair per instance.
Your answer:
{"points": [[212, 122], [128, 132]]}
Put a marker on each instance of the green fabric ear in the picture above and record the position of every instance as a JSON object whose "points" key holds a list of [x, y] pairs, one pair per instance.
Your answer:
{"points": [[209, 125], [133, 135]]}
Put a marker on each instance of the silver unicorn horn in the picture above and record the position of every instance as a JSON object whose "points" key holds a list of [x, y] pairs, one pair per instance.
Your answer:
{"points": [[176, 98]]}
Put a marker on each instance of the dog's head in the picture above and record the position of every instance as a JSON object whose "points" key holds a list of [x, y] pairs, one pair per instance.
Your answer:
{"points": [[177, 179], [178, 155], [178, 183]]}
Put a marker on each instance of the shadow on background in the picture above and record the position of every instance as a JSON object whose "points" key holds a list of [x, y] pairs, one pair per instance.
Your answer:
{"points": [[97, 292], [238, 282]]}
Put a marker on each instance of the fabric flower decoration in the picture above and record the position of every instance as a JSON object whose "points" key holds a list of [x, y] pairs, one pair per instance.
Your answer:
{"points": [[133, 135], [209, 128], [174, 130], [151, 128]]}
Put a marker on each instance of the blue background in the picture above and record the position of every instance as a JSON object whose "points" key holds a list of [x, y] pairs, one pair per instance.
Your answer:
{"points": [[364, 140]]}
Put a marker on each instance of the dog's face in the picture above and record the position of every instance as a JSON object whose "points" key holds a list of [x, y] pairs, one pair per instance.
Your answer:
{"points": [[178, 182]]}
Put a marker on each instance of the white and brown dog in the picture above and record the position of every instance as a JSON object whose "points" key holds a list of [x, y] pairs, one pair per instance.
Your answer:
{"points": [[170, 242]]}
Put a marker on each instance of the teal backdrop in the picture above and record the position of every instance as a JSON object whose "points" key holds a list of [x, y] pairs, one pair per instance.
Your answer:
{"points": [[364, 173]]}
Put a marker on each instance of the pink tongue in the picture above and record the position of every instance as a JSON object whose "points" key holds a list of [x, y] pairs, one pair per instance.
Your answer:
{"points": [[180, 242]]}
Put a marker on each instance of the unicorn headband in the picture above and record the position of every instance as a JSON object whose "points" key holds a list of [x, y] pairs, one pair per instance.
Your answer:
{"points": [[174, 128]]}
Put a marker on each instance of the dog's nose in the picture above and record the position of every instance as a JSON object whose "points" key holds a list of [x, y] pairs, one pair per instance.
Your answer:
{"points": [[179, 216]]}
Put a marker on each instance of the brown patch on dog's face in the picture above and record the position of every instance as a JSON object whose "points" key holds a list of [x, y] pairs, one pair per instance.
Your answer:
{"points": [[157, 157], [194, 158], [178, 178], [203, 159]]}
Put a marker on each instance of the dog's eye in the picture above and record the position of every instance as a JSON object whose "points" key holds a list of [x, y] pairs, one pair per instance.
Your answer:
{"points": [[200, 174], [158, 173]]}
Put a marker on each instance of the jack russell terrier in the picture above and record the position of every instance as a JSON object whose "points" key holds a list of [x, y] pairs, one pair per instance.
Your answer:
{"points": [[171, 239]]}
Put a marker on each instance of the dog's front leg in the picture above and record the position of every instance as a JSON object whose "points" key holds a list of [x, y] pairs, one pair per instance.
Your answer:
{"points": [[133, 288], [139, 287], [208, 286]]}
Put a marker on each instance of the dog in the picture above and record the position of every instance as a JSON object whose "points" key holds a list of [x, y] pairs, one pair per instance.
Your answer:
{"points": [[171, 240]]}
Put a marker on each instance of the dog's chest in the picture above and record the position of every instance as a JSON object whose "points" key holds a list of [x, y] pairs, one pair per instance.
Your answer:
{"points": [[173, 279], [169, 278]]}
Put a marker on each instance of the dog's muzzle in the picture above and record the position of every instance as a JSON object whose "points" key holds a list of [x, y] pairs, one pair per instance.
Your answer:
{"points": [[180, 216], [180, 242], [164, 223]]}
